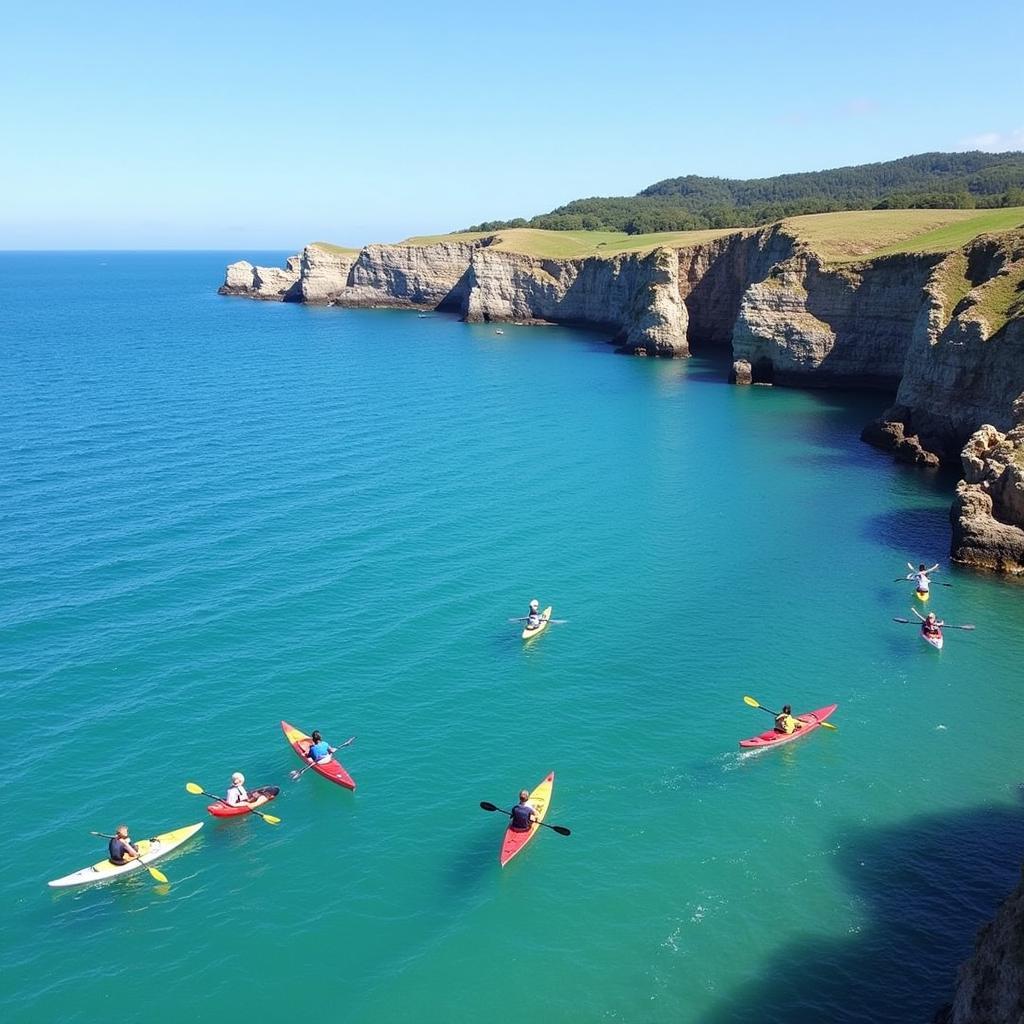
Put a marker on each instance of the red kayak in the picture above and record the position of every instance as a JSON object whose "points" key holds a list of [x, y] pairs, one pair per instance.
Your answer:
{"points": [[541, 799], [223, 810], [332, 770], [776, 739]]}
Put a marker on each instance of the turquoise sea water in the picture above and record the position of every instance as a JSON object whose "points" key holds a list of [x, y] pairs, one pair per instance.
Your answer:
{"points": [[215, 514]]}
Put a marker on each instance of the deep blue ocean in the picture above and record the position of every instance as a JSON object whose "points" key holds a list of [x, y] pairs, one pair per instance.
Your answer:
{"points": [[216, 513]]}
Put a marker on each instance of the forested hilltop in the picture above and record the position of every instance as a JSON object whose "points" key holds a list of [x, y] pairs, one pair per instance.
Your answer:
{"points": [[927, 181]]}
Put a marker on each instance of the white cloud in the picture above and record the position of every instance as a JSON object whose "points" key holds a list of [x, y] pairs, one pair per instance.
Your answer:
{"points": [[995, 142]]}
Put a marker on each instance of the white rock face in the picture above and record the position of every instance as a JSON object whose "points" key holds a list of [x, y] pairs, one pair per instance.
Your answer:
{"points": [[239, 278], [324, 273]]}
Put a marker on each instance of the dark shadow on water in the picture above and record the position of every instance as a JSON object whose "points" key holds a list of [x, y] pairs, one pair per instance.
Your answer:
{"points": [[476, 860], [910, 531], [925, 887]]}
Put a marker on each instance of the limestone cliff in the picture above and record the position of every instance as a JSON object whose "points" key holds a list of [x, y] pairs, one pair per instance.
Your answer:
{"points": [[965, 359], [635, 297], [990, 985], [988, 511], [807, 323]]}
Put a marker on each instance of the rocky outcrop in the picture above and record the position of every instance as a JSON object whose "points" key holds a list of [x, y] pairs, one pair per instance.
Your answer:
{"points": [[323, 273], [273, 283], [990, 985], [988, 511]]}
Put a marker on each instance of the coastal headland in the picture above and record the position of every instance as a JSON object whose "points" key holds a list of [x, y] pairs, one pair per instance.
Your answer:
{"points": [[925, 305]]}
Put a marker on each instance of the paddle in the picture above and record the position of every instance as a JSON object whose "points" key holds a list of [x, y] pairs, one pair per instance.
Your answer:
{"points": [[158, 876], [198, 790], [560, 829], [555, 622], [299, 772], [910, 579], [944, 625], [754, 704]]}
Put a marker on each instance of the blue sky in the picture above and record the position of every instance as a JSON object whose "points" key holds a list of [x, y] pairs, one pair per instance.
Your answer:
{"points": [[266, 125]]}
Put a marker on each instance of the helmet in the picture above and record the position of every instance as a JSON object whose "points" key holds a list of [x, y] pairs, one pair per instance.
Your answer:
{"points": [[535, 603], [238, 778]]}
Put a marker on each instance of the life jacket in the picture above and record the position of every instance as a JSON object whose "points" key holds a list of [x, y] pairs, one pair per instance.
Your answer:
{"points": [[785, 723], [521, 815], [931, 629]]}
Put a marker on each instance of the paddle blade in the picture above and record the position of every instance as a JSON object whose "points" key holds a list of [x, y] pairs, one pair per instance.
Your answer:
{"points": [[295, 775], [829, 725], [193, 787], [750, 700], [158, 875], [486, 806], [965, 627], [271, 819], [894, 619], [561, 830]]}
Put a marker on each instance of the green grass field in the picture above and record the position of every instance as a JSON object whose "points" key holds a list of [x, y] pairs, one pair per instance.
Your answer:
{"points": [[575, 244], [865, 234], [838, 237], [335, 248]]}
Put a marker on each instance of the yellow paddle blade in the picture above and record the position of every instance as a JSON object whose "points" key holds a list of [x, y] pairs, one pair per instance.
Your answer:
{"points": [[194, 788], [271, 820], [158, 875], [829, 725], [750, 700]]}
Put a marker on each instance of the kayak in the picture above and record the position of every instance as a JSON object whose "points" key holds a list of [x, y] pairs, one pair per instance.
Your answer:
{"points": [[529, 634], [225, 810], [922, 595], [935, 641], [332, 770], [515, 841], [776, 739], [149, 851]]}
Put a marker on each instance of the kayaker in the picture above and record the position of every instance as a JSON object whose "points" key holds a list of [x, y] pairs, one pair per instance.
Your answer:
{"points": [[121, 849], [931, 626], [237, 793], [319, 750], [785, 722], [524, 814], [920, 576], [533, 619]]}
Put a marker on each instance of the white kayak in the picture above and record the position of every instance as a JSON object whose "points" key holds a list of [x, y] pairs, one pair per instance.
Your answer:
{"points": [[149, 851]]}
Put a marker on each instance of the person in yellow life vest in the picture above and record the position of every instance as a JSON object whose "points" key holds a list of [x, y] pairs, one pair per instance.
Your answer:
{"points": [[785, 722]]}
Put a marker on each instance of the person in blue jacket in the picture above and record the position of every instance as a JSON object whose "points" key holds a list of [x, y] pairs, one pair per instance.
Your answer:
{"points": [[319, 750]]}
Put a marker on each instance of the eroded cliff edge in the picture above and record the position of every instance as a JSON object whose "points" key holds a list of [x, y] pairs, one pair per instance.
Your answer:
{"points": [[990, 985], [943, 332]]}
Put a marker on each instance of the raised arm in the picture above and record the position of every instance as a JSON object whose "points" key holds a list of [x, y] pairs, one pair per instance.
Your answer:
{"points": [[934, 568]]}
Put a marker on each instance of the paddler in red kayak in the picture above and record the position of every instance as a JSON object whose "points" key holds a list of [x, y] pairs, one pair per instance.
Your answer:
{"points": [[121, 849], [238, 795], [319, 750], [930, 626], [524, 814], [785, 722]]}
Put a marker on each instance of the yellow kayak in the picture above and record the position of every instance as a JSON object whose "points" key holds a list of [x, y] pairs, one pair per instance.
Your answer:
{"points": [[515, 841], [922, 595], [149, 851], [528, 634]]}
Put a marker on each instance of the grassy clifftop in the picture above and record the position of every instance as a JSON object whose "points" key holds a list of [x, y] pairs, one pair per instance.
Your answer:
{"points": [[837, 237]]}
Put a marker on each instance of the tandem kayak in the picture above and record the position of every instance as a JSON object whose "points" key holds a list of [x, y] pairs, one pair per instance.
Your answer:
{"points": [[935, 641], [922, 595], [149, 851], [529, 634], [224, 810], [776, 739], [332, 770], [515, 841]]}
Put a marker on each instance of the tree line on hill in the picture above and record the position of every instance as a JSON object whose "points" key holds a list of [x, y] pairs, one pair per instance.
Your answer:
{"points": [[927, 181]]}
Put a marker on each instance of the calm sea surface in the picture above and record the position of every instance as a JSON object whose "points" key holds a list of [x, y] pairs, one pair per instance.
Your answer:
{"points": [[215, 514]]}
